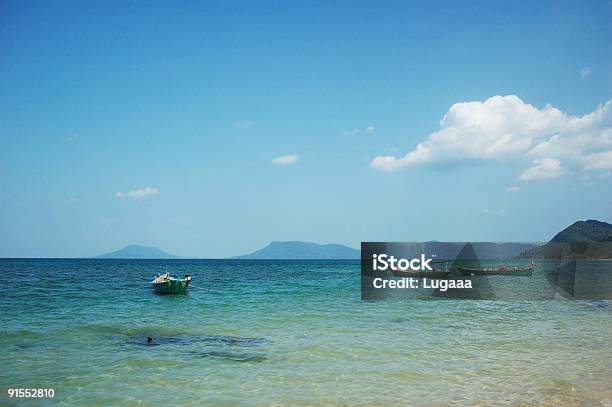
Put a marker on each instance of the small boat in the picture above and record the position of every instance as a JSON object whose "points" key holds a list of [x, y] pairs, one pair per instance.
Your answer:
{"points": [[501, 271], [170, 284]]}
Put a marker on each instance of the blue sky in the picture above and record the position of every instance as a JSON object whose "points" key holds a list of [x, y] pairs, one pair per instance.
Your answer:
{"points": [[157, 123]]}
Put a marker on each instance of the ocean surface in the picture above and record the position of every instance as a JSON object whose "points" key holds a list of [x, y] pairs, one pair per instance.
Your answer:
{"points": [[285, 333]]}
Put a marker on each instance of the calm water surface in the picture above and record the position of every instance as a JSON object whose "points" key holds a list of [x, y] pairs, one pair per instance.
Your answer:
{"points": [[286, 333]]}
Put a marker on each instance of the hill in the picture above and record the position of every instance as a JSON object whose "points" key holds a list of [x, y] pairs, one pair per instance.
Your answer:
{"points": [[302, 250], [585, 231], [591, 239], [138, 252]]}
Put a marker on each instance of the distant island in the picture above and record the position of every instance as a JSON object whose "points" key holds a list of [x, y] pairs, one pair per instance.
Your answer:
{"points": [[302, 250], [138, 252], [591, 239]]}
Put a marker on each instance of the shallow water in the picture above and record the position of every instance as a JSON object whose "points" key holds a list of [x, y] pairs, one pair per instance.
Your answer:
{"points": [[286, 333]]}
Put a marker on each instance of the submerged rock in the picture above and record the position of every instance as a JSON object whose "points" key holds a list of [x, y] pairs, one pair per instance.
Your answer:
{"points": [[236, 357], [207, 345], [235, 340]]}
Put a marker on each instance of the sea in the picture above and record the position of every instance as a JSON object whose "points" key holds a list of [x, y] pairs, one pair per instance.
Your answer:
{"points": [[285, 333]]}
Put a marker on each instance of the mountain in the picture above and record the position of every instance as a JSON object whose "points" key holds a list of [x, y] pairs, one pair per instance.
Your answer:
{"points": [[138, 252], [591, 239], [585, 231], [302, 250]]}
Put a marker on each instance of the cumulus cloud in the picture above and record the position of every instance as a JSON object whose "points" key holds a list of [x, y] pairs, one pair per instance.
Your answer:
{"points": [[370, 129], [542, 169], [285, 159], [505, 128], [138, 193], [513, 189], [601, 161], [584, 72]]}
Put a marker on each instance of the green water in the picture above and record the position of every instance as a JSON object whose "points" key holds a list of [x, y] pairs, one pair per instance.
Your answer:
{"points": [[285, 333]]}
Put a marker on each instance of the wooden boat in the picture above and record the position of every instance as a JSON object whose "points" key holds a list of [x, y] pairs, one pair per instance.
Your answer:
{"points": [[170, 284], [501, 271]]}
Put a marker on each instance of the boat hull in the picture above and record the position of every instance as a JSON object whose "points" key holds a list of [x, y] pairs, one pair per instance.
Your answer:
{"points": [[177, 286]]}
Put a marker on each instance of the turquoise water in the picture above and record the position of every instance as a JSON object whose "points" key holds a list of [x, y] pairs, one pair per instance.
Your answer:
{"points": [[286, 333]]}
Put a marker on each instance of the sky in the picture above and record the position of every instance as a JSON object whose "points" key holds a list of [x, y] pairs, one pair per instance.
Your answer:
{"points": [[209, 129]]}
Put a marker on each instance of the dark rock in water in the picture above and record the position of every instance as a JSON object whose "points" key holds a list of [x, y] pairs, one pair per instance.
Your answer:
{"points": [[211, 339], [165, 341], [208, 346], [235, 340], [236, 357]]}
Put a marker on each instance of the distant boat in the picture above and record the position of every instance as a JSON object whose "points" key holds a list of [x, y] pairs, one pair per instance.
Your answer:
{"points": [[502, 271], [170, 284]]}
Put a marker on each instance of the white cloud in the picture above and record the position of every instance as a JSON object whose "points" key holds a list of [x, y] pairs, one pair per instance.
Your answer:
{"points": [[285, 159], [584, 72], [138, 193], [351, 133], [602, 161], [513, 189], [243, 124], [542, 169], [504, 128]]}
